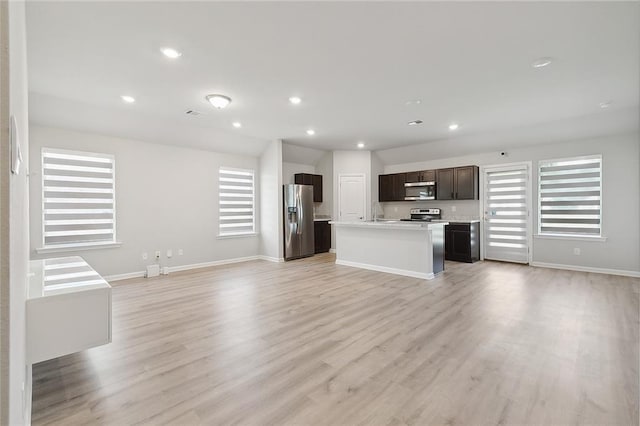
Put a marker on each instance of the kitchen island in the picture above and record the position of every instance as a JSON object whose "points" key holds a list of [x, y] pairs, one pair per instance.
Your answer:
{"points": [[413, 249]]}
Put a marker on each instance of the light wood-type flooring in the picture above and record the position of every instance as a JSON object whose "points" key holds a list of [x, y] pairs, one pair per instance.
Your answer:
{"points": [[308, 342]]}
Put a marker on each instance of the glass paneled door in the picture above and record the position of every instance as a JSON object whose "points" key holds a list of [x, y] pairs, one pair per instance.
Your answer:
{"points": [[507, 212]]}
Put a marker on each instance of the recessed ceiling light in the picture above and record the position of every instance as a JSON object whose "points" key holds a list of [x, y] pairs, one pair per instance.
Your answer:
{"points": [[541, 62], [413, 102], [170, 52], [360, 144], [454, 126], [295, 100], [128, 99], [605, 105], [219, 101], [236, 124], [414, 122], [311, 132]]}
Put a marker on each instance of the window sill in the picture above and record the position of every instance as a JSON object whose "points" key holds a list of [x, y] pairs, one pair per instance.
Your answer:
{"points": [[571, 237], [77, 247], [226, 237]]}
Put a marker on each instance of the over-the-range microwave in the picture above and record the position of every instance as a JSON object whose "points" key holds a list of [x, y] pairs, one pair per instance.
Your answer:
{"points": [[414, 191]]}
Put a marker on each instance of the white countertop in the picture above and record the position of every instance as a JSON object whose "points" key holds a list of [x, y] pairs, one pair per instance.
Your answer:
{"points": [[62, 275], [461, 219], [390, 224]]}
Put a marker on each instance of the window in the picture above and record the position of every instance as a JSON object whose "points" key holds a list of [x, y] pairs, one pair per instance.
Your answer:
{"points": [[78, 199], [570, 197], [237, 202]]}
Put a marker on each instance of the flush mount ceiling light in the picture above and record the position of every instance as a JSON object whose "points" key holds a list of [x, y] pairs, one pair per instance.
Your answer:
{"points": [[454, 126], [128, 99], [170, 52], [295, 100], [413, 102], [605, 105], [219, 101], [541, 62], [414, 122], [236, 124], [311, 132], [360, 144]]}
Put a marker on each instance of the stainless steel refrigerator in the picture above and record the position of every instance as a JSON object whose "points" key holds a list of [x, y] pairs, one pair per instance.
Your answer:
{"points": [[298, 221]]}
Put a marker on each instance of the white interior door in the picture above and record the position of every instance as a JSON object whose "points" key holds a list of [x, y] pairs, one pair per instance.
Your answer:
{"points": [[507, 212], [351, 197]]}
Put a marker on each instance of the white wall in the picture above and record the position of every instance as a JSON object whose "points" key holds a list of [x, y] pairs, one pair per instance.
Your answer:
{"points": [[324, 167], [620, 193], [18, 386], [290, 169], [351, 162], [5, 178], [166, 198], [271, 233]]}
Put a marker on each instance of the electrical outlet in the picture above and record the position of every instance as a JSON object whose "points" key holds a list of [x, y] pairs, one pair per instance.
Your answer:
{"points": [[169, 253], [145, 255], [180, 252], [453, 208], [157, 254], [576, 251]]}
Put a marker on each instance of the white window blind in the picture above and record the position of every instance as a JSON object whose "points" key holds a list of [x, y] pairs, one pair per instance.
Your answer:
{"points": [[570, 196], [506, 214], [78, 198], [237, 202]]}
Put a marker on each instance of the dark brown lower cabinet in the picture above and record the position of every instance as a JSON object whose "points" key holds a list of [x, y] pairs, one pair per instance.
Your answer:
{"points": [[322, 236], [462, 242]]}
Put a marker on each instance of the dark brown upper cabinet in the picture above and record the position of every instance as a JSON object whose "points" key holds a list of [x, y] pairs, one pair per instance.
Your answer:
{"points": [[455, 183], [316, 181], [310, 179], [445, 188], [421, 176], [466, 182], [458, 183], [384, 187], [391, 187]]}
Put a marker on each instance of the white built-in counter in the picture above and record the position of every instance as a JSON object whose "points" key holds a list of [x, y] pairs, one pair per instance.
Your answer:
{"points": [[414, 249], [68, 308]]}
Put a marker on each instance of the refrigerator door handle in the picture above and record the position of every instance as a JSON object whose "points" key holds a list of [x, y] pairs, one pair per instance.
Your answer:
{"points": [[300, 218]]}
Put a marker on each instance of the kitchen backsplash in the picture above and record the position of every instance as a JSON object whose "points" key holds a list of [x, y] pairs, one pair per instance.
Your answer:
{"points": [[464, 209]]}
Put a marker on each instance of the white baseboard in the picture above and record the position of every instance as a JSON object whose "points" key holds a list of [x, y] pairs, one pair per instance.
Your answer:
{"points": [[587, 269], [141, 274], [212, 263], [118, 277], [332, 250], [377, 268], [271, 259]]}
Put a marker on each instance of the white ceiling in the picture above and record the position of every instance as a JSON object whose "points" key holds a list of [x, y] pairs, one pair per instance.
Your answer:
{"points": [[354, 64]]}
